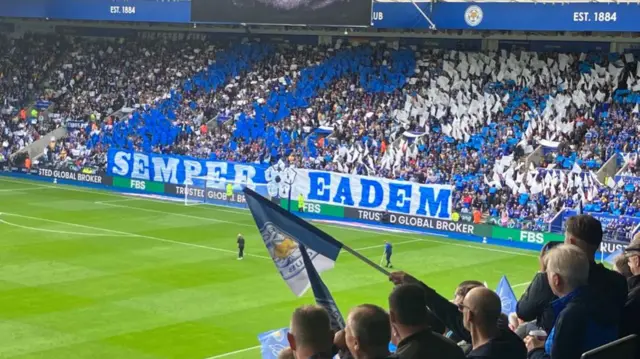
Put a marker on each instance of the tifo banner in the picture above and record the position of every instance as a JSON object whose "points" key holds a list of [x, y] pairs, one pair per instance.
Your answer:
{"points": [[517, 235], [418, 222], [310, 12], [181, 169], [373, 193]]}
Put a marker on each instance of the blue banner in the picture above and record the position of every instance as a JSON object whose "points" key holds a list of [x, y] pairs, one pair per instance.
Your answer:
{"points": [[628, 180], [102, 10], [399, 15], [508, 16], [75, 125], [182, 169]]}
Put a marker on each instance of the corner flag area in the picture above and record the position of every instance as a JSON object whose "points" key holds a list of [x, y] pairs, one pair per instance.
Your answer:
{"points": [[88, 273]]}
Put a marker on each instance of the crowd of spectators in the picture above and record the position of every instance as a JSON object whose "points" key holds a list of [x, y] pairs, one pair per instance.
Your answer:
{"points": [[572, 306], [431, 116]]}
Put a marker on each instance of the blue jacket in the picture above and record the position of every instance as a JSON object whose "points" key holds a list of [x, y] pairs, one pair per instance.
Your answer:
{"points": [[580, 325]]}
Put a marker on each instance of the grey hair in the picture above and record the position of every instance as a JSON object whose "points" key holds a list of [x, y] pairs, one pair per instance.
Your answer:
{"points": [[570, 263]]}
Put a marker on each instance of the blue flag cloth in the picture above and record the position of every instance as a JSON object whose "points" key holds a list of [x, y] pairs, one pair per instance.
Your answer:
{"points": [[321, 292], [611, 257], [273, 342], [281, 232], [507, 297]]}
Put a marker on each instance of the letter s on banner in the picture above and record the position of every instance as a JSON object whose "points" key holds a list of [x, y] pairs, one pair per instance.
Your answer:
{"points": [[120, 163]]}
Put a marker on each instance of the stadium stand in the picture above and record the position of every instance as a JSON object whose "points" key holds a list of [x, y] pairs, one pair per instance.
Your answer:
{"points": [[472, 120]]}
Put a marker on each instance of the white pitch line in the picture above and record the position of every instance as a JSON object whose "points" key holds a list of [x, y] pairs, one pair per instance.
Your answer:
{"points": [[520, 285], [235, 352], [395, 244], [130, 234], [60, 232], [117, 200], [110, 204], [20, 189]]}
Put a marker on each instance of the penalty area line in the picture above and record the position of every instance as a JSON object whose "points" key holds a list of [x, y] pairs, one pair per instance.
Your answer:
{"points": [[35, 229], [235, 352]]}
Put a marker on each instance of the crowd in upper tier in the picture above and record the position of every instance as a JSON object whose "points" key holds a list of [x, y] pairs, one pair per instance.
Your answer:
{"points": [[424, 115]]}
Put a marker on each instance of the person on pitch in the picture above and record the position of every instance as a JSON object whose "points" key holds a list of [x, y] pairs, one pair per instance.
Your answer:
{"points": [[300, 203], [240, 247], [388, 250], [229, 192]]}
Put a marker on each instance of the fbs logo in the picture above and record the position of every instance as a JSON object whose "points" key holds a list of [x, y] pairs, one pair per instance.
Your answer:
{"points": [[139, 185], [531, 237], [312, 208]]}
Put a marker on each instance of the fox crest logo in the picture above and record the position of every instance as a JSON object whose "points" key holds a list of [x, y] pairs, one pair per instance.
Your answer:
{"points": [[473, 15]]}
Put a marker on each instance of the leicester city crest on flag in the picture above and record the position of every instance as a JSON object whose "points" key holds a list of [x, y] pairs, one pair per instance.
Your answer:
{"points": [[286, 255]]}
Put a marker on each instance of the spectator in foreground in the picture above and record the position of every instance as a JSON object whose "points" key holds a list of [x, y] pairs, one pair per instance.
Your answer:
{"points": [[607, 287], [478, 314], [580, 325], [631, 321], [411, 326], [621, 265], [368, 332], [310, 334], [458, 296]]}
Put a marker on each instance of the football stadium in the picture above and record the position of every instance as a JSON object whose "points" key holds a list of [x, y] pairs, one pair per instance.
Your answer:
{"points": [[319, 179]]}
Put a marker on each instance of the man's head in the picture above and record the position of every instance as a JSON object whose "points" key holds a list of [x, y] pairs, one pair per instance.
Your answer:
{"points": [[310, 331], [481, 309], [239, 235], [632, 252], [585, 232], [368, 332], [463, 289], [621, 265], [567, 269], [408, 310]]}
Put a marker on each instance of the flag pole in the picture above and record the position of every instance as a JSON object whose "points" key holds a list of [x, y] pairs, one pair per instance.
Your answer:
{"points": [[366, 260]]}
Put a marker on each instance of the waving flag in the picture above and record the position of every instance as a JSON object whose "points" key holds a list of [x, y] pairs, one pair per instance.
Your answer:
{"points": [[273, 342], [507, 297], [282, 233], [321, 292]]}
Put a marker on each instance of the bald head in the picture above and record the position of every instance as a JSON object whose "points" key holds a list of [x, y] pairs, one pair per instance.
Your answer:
{"points": [[485, 305]]}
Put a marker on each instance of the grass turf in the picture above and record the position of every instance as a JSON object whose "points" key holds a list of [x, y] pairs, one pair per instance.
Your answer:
{"points": [[87, 273]]}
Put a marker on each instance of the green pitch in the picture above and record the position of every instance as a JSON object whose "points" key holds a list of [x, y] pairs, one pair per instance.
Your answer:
{"points": [[95, 274]]}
